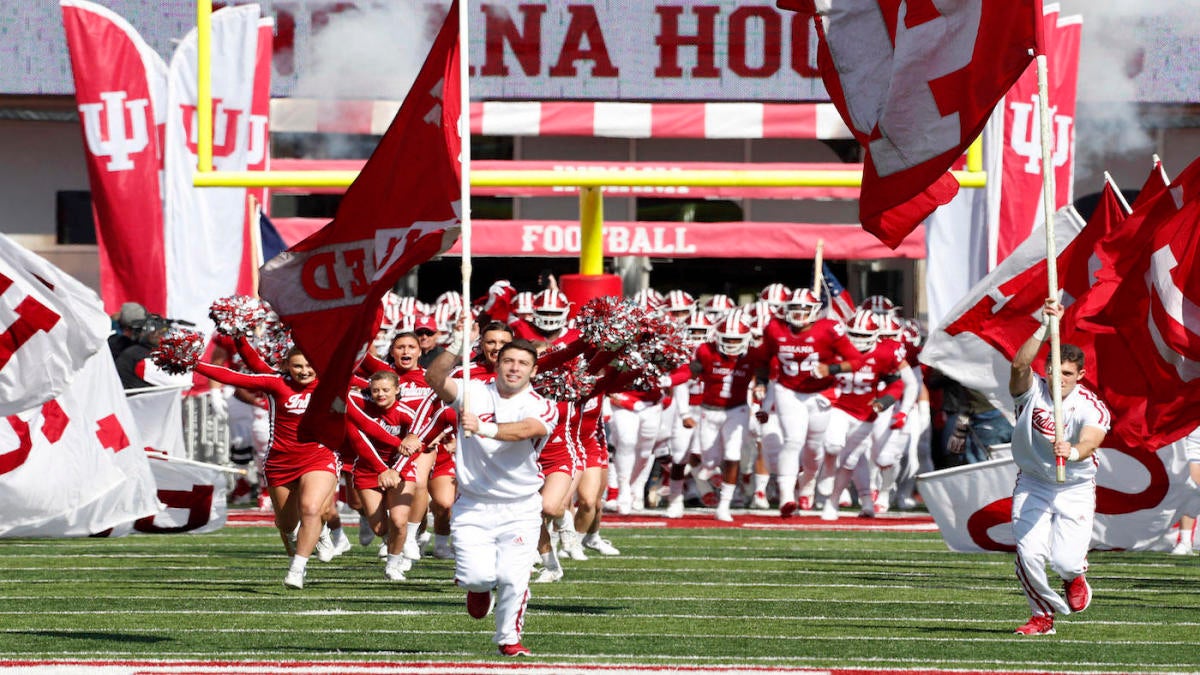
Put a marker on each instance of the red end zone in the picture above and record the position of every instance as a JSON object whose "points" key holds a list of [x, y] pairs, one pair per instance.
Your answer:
{"points": [[429, 668]]}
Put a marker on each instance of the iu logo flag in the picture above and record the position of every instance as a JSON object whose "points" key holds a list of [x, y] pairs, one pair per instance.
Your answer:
{"points": [[915, 82], [403, 209], [120, 88], [49, 325], [1020, 207], [206, 228]]}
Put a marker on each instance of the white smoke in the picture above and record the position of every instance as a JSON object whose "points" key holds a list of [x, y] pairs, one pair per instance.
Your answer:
{"points": [[373, 51], [1125, 57]]}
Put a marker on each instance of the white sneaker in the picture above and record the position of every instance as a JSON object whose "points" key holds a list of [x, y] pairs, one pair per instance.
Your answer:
{"points": [[548, 576], [443, 551], [383, 552], [406, 563], [424, 538], [905, 503], [571, 548], [610, 505], [324, 548], [412, 550], [294, 579], [601, 546], [675, 507], [1183, 548], [341, 545], [760, 501], [393, 573], [724, 515], [365, 535], [830, 510]]}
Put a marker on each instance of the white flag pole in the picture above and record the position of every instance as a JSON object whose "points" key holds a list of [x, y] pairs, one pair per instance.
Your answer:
{"points": [[818, 265], [1055, 374], [464, 130]]}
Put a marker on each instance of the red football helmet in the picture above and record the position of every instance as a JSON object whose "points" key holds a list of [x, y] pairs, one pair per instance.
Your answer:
{"points": [[889, 326], [718, 306], [910, 332], [803, 307], [733, 335], [649, 299], [758, 314], [550, 309], [863, 330], [523, 305], [880, 304], [680, 303], [776, 295]]}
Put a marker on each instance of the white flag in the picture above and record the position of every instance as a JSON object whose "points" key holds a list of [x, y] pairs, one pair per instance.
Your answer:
{"points": [[78, 468], [158, 416], [49, 325], [1138, 498], [192, 496]]}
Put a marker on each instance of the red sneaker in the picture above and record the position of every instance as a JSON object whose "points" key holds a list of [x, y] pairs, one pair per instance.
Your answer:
{"points": [[804, 504], [517, 649], [1038, 625], [787, 510], [479, 603], [1079, 593]]}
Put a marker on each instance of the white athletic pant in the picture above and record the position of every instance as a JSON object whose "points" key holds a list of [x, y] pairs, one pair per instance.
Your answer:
{"points": [[634, 433], [769, 435], [804, 420], [681, 438], [1051, 523], [495, 547], [722, 432]]}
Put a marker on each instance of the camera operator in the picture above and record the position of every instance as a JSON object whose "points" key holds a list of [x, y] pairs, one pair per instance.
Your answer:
{"points": [[133, 363], [124, 333]]}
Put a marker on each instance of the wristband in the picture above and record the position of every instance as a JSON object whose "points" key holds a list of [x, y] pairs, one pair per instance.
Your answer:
{"points": [[456, 345], [1074, 456], [835, 369], [1040, 333], [488, 429]]}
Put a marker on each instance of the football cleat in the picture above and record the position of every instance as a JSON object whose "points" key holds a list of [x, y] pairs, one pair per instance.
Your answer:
{"points": [[830, 511], [723, 514], [1037, 625], [1079, 593], [479, 603], [787, 509], [675, 507], [517, 649], [804, 504]]}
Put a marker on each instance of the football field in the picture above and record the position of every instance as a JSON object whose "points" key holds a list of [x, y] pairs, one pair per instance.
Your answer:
{"points": [[764, 595]]}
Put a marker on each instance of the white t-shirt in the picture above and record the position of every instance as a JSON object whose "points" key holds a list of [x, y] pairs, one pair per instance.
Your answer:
{"points": [[487, 469], [1033, 434]]}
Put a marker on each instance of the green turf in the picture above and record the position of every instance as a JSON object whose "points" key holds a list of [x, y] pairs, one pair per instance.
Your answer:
{"points": [[675, 596]]}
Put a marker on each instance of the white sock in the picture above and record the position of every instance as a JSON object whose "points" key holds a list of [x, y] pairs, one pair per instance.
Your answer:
{"points": [[299, 562], [550, 560], [411, 534], [1185, 536], [727, 494]]}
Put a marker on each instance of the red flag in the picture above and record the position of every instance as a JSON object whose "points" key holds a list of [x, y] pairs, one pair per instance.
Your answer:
{"points": [[916, 84], [1020, 208], [1147, 366], [403, 209], [120, 83]]}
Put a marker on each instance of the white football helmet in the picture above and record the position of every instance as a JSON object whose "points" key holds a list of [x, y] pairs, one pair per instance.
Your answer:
{"points": [[699, 328], [550, 310], [910, 332], [733, 335], [863, 330], [889, 326], [758, 314], [803, 308], [718, 306], [776, 295]]}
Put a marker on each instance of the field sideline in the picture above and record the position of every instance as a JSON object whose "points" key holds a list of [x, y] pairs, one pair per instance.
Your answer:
{"points": [[767, 595]]}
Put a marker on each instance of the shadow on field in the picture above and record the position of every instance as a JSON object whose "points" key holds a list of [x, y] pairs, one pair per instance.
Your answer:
{"points": [[59, 636]]}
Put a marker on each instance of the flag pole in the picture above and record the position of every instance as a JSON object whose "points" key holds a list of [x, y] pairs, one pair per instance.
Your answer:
{"points": [[818, 263], [1055, 374], [464, 130]]}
